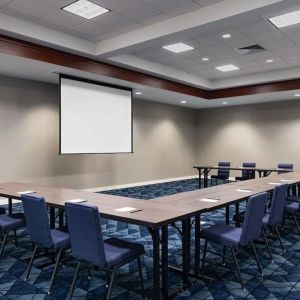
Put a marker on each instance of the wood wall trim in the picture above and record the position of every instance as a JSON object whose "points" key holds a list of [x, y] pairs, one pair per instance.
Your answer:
{"points": [[45, 54]]}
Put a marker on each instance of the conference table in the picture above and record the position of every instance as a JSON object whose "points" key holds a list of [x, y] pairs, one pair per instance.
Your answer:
{"points": [[262, 172], [159, 213]]}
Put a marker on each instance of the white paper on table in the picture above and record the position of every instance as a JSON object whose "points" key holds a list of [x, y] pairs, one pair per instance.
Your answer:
{"points": [[209, 200], [274, 183], [25, 192], [75, 201], [125, 209], [286, 180], [243, 191]]}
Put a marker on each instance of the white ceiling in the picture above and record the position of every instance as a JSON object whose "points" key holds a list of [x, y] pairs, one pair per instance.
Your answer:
{"points": [[134, 31]]}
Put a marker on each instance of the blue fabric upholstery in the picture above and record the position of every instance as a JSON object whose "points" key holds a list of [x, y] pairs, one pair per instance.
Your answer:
{"points": [[292, 206], [117, 251], [87, 242], [293, 198], [2, 211], [287, 166], [222, 173], [38, 223], [247, 174], [12, 222], [223, 234], [253, 218], [277, 204]]}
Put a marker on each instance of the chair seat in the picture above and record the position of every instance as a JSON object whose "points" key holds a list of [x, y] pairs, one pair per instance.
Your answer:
{"points": [[292, 207], [293, 198], [223, 234], [12, 222], [119, 251], [61, 239]]}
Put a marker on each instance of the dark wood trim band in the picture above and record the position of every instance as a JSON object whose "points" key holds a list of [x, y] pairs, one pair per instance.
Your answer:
{"points": [[37, 52]]}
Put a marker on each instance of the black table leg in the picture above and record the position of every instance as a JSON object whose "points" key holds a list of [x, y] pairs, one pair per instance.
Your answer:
{"points": [[237, 214], [10, 206], [205, 183], [52, 217], [197, 243], [164, 261], [61, 218], [156, 261], [227, 214], [186, 256], [199, 179]]}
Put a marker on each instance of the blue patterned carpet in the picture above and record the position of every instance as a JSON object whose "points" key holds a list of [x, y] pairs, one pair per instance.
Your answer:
{"points": [[281, 280]]}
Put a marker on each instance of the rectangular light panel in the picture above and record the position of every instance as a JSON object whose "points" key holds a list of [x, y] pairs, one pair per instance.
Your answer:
{"points": [[227, 68], [85, 9], [179, 47], [285, 20]]}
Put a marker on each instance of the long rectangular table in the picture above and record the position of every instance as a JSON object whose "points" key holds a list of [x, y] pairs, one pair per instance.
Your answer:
{"points": [[262, 172], [157, 214]]}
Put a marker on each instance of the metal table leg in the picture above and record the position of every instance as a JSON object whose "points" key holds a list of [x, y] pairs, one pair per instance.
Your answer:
{"points": [[156, 261], [237, 214], [197, 244], [199, 179], [205, 183], [10, 206], [52, 217], [164, 261], [186, 257], [227, 214]]}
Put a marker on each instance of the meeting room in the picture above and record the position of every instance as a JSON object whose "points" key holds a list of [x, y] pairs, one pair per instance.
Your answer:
{"points": [[149, 149]]}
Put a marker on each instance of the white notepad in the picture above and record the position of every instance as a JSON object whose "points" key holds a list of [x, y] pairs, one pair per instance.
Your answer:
{"points": [[243, 191], [25, 192], [125, 209], [286, 180], [274, 183], [75, 201], [209, 200]]}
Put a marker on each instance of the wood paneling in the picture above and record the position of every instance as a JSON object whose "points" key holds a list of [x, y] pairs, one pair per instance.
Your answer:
{"points": [[45, 54]]}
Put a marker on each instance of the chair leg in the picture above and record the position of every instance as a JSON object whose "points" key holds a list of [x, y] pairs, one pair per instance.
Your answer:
{"points": [[31, 262], [267, 244], [224, 254], [55, 270], [89, 273], [111, 281], [70, 294], [257, 260], [141, 276], [4, 242], [237, 267], [204, 257], [16, 239], [296, 222], [279, 238]]}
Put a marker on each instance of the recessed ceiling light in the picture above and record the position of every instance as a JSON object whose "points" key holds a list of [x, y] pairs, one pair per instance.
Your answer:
{"points": [[297, 95], [225, 102], [226, 36], [179, 47], [85, 9], [227, 68], [288, 19], [205, 58], [183, 101], [138, 93], [269, 61]]}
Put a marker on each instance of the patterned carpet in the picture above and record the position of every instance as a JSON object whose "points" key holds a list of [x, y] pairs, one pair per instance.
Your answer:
{"points": [[281, 280]]}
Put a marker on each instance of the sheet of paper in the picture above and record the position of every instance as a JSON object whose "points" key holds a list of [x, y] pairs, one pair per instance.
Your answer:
{"points": [[125, 209], [286, 180], [75, 201], [25, 192], [243, 191], [209, 200], [274, 183]]}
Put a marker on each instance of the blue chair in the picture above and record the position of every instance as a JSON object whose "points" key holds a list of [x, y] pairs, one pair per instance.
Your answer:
{"points": [[40, 234], [274, 216], [10, 223], [293, 208], [223, 173], [89, 247], [286, 166], [233, 237], [247, 174]]}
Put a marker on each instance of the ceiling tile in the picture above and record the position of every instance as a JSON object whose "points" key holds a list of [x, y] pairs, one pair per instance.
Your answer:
{"points": [[204, 41], [113, 4], [15, 13], [184, 9], [158, 18], [35, 8], [5, 2], [168, 5], [204, 3], [105, 36], [90, 29], [138, 11], [57, 3]]}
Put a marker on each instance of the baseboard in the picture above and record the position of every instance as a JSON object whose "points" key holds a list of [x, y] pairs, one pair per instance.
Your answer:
{"points": [[122, 186]]}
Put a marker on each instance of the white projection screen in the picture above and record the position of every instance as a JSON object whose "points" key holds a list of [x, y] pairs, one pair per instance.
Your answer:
{"points": [[94, 118]]}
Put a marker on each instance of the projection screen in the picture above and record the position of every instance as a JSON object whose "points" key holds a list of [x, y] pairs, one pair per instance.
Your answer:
{"points": [[94, 118]]}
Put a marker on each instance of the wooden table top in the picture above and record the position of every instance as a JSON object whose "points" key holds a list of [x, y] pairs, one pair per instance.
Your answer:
{"points": [[159, 211]]}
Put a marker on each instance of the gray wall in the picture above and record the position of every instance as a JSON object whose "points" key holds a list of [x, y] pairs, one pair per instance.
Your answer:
{"points": [[164, 142], [264, 133]]}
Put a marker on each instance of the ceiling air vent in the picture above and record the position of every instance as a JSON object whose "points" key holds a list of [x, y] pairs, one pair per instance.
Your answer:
{"points": [[250, 49]]}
